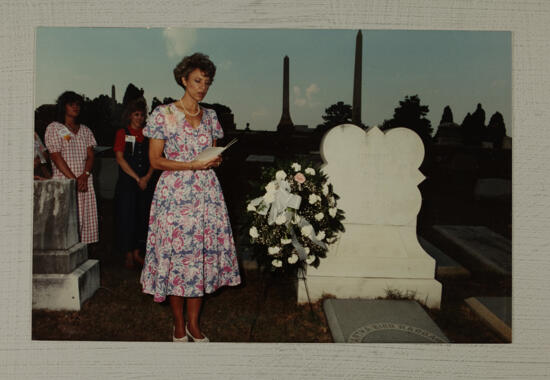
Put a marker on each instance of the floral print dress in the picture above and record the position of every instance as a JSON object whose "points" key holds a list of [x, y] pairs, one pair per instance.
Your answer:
{"points": [[190, 247]]}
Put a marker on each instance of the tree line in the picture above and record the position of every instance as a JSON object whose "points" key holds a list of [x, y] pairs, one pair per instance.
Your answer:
{"points": [[412, 114], [103, 115]]}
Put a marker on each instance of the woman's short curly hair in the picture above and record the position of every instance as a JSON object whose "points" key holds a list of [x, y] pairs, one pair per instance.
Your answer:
{"points": [[65, 98], [191, 62], [138, 104]]}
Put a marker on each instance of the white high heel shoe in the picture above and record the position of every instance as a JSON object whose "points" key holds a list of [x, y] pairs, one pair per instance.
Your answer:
{"points": [[196, 340], [183, 339]]}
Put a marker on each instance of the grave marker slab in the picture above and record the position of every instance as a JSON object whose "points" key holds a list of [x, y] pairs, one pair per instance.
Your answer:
{"points": [[380, 321], [445, 266], [479, 243]]}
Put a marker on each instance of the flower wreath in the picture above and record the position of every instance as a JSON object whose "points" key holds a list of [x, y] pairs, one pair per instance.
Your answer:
{"points": [[294, 221]]}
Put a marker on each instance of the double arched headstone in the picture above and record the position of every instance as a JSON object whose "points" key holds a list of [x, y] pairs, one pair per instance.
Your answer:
{"points": [[376, 176]]}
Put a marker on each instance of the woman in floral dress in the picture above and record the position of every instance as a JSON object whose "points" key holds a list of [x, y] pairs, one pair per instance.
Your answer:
{"points": [[190, 247]]}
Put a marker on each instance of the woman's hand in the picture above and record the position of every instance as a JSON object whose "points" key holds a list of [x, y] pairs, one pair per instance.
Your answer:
{"points": [[82, 183], [203, 165], [142, 182]]}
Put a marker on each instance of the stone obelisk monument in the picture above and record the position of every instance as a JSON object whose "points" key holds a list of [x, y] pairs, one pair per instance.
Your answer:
{"points": [[356, 107], [285, 125]]}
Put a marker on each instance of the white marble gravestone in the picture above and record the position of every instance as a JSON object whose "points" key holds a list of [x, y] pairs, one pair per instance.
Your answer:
{"points": [[376, 176], [63, 276]]}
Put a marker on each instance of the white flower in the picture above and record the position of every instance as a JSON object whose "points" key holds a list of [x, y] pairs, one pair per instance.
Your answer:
{"points": [[321, 235], [325, 189], [306, 250], [269, 197], [281, 219], [319, 216], [250, 208], [285, 241], [253, 232], [297, 167], [306, 230], [332, 211], [271, 187], [277, 263], [310, 259], [331, 240], [296, 219], [273, 250], [331, 201], [280, 175], [313, 198], [293, 259], [310, 171]]}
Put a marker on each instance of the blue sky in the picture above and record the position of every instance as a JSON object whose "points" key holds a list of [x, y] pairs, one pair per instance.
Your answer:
{"points": [[455, 68]]}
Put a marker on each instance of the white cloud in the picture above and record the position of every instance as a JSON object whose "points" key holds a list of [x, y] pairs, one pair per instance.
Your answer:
{"points": [[310, 91], [179, 41], [300, 102]]}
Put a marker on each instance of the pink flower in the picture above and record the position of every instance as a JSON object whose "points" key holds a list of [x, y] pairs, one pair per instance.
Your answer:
{"points": [[159, 119], [171, 119], [300, 178], [203, 140]]}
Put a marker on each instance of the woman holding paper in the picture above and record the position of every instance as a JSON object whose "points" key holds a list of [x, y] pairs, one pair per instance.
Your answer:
{"points": [[190, 247], [132, 192], [71, 147]]}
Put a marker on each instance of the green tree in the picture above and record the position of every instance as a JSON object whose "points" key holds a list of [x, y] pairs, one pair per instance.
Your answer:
{"points": [[336, 114], [447, 116], [131, 93], [411, 114], [473, 127], [496, 130]]}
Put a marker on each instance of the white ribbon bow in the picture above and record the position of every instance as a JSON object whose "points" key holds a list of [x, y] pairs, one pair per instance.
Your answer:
{"points": [[282, 199], [276, 201]]}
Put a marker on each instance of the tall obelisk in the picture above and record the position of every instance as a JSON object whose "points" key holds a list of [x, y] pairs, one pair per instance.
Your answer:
{"points": [[285, 124], [356, 107]]}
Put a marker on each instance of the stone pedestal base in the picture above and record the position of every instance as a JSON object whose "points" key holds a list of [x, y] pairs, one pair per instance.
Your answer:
{"points": [[427, 291], [62, 261], [65, 291]]}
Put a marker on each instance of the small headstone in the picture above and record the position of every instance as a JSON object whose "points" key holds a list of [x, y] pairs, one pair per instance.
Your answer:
{"points": [[380, 321], [496, 312], [490, 249], [445, 266], [497, 189], [107, 177], [260, 158]]}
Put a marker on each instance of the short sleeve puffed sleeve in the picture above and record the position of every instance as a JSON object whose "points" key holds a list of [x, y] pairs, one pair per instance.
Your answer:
{"points": [[52, 138], [155, 127], [217, 131], [90, 138]]}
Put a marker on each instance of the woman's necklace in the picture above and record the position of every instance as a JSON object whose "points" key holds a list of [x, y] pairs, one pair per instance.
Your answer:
{"points": [[189, 113], [72, 127]]}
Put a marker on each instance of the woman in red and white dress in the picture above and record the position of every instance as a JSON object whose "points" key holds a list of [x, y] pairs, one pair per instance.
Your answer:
{"points": [[71, 150]]}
